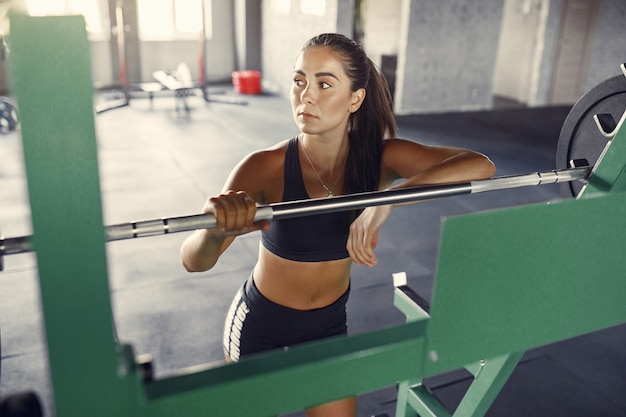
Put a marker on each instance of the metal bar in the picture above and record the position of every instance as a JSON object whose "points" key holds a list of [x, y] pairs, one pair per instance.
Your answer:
{"points": [[300, 208], [487, 384], [341, 366], [537, 178], [15, 245]]}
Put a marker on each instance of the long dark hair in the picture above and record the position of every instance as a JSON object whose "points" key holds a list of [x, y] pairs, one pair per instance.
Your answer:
{"points": [[374, 120]]}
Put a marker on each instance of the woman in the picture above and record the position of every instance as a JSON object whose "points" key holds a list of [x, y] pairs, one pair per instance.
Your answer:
{"points": [[299, 287]]}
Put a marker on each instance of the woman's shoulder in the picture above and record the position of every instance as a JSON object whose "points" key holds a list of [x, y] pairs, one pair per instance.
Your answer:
{"points": [[267, 156], [394, 148], [395, 144], [278, 149], [261, 173], [400, 157]]}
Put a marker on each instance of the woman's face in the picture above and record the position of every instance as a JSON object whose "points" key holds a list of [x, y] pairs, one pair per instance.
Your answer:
{"points": [[321, 98]]}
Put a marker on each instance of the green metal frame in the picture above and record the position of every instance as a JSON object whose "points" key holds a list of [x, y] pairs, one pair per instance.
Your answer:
{"points": [[511, 280], [414, 399], [490, 375], [535, 287]]}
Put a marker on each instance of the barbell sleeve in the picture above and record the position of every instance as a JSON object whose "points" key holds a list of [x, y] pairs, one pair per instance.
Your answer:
{"points": [[300, 208], [537, 178]]}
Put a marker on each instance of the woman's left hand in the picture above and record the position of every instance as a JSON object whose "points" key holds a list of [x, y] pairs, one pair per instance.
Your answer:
{"points": [[363, 236]]}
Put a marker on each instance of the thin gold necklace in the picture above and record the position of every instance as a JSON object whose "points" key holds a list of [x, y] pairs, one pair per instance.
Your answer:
{"points": [[329, 190]]}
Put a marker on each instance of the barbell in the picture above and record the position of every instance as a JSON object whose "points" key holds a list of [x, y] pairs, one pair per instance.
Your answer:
{"points": [[300, 208], [581, 142]]}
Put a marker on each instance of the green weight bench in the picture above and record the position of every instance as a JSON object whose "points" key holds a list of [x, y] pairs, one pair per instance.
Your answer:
{"points": [[520, 278]]}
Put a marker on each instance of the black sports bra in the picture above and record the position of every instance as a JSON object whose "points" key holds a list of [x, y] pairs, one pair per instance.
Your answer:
{"points": [[316, 238]]}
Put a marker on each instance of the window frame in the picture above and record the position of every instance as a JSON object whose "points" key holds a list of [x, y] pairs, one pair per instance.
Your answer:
{"points": [[175, 34]]}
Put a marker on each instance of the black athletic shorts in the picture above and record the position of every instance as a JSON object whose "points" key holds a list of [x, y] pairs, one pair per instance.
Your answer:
{"points": [[255, 324]]}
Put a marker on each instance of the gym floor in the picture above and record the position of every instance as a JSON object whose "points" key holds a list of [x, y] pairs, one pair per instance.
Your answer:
{"points": [[155, 162]]}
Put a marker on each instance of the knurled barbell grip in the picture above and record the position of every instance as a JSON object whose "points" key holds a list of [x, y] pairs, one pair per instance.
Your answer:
{"points": [[167, 225]]}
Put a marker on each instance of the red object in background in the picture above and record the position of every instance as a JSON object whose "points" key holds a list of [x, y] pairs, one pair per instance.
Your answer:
{"points": [[247, 82]]}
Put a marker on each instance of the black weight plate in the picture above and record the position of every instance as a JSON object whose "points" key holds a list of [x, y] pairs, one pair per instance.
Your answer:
{"points": [[580, 137]]}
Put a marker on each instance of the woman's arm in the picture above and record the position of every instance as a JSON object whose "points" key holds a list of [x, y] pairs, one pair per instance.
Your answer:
{"points": [[418, 165], [427, 165], [254, 179], [200, 251], [234, 213]]}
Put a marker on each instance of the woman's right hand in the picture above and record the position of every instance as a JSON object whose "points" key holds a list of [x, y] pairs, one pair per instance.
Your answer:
{"points": [[234, 213]]}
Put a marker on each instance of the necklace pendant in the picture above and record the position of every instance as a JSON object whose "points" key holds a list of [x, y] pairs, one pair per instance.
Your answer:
{"points": [[330, 194]]}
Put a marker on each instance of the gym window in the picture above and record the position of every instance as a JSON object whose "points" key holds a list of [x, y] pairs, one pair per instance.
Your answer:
{"points": [[94, 11], [172, 19], [313, 7], [282, 6]]}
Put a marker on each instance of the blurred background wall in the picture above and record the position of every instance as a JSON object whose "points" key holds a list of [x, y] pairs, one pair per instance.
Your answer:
{"points": [[438, 55]]}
